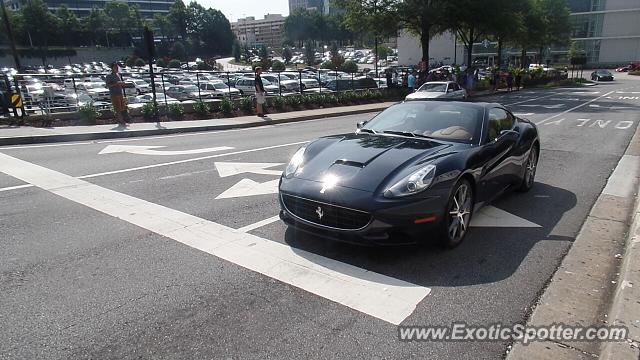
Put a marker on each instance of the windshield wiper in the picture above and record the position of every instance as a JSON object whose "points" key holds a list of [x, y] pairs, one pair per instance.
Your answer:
{"points": [[370, 131], [407, 133], [401, 133]]}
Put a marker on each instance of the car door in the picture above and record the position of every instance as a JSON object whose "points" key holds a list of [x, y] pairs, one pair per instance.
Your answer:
{"points": [[498, 144]]}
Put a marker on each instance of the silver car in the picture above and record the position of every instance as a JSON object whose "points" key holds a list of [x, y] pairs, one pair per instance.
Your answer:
{"points": [[438, 89]]}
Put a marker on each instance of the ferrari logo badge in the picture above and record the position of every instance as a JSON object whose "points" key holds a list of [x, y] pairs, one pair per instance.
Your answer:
{"points": [[319, 212]]}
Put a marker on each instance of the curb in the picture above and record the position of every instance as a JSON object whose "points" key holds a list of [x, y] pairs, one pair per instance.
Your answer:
{"points": [[39, 139], [582, 288]]}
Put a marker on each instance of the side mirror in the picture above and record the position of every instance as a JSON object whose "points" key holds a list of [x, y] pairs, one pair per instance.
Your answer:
{"points": [[361, 124]]}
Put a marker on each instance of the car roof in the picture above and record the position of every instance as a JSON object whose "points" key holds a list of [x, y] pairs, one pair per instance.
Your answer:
{"points": [[485, 105]]}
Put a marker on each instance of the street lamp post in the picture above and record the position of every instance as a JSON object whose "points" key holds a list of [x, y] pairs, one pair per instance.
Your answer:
{"points": [[12, 41]]}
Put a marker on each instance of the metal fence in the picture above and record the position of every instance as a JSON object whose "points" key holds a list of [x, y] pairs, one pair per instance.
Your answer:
{"points": [[52, 93]]}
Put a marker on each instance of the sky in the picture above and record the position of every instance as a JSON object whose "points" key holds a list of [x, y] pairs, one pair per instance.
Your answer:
{"points": [[234, 9]]}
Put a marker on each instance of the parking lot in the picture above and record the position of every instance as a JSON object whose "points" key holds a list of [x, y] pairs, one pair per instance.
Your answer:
{"points": [[188, 259]]}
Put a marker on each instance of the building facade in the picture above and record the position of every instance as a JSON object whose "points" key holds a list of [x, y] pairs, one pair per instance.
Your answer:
{"points": [[261, 32], [82, 7], [607, 30], [306, 4]]}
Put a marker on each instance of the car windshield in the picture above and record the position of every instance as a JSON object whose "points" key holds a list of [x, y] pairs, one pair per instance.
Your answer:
{"points": [[439, 120], [604, 72], [191, 88], [433, 87], [220, 86]]}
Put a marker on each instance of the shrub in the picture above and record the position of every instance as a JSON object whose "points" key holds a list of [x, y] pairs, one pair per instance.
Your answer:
{"points": [[174, 64], [246, 104], [140, 62], [201, 108], [149, 110], [88, 114], [175, 111], [293, 101], [635, 72], [203, 66], [161, 63], [327, 65], [278, 65], [226, 106], [349, 66], [278, 102]]}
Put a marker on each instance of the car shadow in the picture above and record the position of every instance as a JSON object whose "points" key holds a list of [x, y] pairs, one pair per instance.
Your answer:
{"points": [[487, 255]]}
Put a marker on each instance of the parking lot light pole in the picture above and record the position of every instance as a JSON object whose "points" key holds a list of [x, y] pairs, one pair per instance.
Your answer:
{"points": [[12, 41]]}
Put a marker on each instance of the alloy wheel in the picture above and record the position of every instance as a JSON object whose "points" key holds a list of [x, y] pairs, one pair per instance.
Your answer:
{"points": [[459, 213]]}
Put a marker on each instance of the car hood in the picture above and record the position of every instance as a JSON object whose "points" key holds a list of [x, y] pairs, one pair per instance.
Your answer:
{"points": [[425, 95], [365, 161]]}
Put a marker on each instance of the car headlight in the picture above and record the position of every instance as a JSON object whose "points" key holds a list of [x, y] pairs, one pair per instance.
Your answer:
{"points": [[412, 184], [296, 161]]}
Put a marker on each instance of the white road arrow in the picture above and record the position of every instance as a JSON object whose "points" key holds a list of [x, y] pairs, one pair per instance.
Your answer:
{"points": [[148, 150], [248, 187], [490, 216], [231, 168]]}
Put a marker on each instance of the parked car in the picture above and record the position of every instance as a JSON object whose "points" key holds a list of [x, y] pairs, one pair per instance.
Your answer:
{"points": [[160, 98], [284, 82], [187, 92], [602, 75], [220, 89], [348, 84], [438, 90], [247, 86]]}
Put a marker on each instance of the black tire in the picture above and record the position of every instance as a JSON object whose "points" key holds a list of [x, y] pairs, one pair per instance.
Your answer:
{"points": [[457, 215], [530, 167]]}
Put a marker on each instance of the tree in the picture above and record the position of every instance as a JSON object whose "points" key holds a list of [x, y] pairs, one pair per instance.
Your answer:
{"points": [[287, 54], [424, 19], [300, 26], [336, 59], [507, 23], [349, 66], [556, 24], [470, 19], [178, 50], [236, 51], [162, 23], [310, 53], [178, 18], [38, 22], [96, 25], [120, 20], [69, 25], [278, 65]]}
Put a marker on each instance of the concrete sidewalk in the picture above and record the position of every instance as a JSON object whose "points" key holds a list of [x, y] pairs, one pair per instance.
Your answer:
{"points": [[598, 282], [16, 135]]}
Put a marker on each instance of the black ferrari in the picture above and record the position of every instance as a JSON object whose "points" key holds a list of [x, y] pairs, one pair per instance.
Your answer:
{"points": [[416, 171]]}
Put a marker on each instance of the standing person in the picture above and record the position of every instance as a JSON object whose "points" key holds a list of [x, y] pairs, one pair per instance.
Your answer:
{"points": [[115, 84], [518, 80], [389, 78], [261, 96], [411, 81], [510, 81]]}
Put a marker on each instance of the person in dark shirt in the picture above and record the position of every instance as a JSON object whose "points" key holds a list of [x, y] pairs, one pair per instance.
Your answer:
{"points": [[116, 90], [261, 97]]}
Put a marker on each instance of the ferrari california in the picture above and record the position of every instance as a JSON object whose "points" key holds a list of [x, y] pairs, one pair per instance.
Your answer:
{"points": [[416, 171]]}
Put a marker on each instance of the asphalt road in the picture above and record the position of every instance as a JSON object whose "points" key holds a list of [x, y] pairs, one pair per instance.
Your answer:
{"points": [[80, 278]]}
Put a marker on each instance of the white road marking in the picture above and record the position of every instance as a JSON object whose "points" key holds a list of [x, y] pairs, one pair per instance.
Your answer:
{"points": [[149, 150], [574, 108], [554, 106], [621, 181], [490, 216], [234, 168], [523, 114], [534, 99], [248, 187], [378, 295], [171, 163], [259, 224], [8, 188]]}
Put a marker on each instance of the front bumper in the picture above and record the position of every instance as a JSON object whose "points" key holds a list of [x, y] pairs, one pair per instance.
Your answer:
{"points": [[402, 221]]}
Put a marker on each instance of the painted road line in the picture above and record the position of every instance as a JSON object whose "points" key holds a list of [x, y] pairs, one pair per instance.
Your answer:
{"points": [[534, 99], [175, 162], [259, 224], [248, 187], [574, 108], [380, 296], [226, 169], [150, 150], [8, 188], [621, 181]]}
